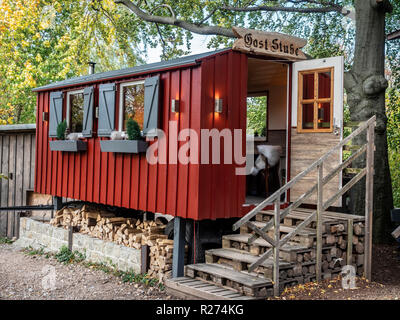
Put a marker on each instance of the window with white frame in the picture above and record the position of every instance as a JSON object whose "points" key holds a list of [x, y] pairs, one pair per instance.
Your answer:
{"points": [[131, 103], [75, 111]]}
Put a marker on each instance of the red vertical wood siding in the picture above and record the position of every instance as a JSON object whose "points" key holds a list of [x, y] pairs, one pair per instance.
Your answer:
{"points": [[222, 192], [194, 190]]}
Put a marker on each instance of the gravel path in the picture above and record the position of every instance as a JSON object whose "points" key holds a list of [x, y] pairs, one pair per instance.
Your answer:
{"points": [[31, 277], [38, 278]]}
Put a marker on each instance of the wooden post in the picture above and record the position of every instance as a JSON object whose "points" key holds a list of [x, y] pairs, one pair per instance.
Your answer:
{"points": [[178, 257], [57, 202], [349, 241], [145, 259], [320, 206], [277, 222], [369, 181], [70, 235]]}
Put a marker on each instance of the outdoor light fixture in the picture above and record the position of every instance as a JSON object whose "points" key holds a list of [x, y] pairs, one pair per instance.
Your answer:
{"points": [[175, 105], [218, 105]]}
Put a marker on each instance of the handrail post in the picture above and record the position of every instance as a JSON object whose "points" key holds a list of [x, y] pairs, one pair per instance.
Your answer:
{"points": [[277, 222], [320, 207], [369, 181]]}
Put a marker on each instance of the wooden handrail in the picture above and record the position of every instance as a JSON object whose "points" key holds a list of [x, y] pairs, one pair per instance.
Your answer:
{"points": [[277, 243], [288, 185], [308, 193]]}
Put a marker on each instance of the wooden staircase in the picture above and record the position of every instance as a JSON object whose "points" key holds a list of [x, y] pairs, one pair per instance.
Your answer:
{"points": [[225, 274], [279, 248]]}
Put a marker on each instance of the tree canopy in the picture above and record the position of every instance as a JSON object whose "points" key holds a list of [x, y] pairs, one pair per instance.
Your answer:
{"points": [[48, 40]]}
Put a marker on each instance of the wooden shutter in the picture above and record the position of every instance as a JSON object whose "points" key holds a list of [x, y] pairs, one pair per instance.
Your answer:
{"points": [[88, 104], [106, 109], [56, 105], [151, 101]]}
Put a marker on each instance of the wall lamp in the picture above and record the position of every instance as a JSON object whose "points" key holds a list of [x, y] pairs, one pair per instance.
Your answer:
{"points": [[45, 116], [174, 105], [218, 105]]}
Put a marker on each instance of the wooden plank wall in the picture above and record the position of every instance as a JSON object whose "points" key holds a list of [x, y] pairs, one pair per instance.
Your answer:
{"points": [[128, 180], [307, 148], [222, 192], [17, 156]]}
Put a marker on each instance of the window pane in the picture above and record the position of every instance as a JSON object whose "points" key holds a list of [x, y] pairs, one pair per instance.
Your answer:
{"points": [[308, 86], [324, 85], [324, 115], [257, 116], [76, 107], [133, 99], [308, 116]]}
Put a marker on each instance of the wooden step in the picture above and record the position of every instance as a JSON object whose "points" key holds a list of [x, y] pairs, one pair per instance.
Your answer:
{"points": [[195, 289], [223, 276], [305, 237], [333, 223], [291, 252], [303, 213], [297, 216], [240, 261]]}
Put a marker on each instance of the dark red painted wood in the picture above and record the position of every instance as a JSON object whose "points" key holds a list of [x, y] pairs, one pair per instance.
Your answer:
{"points": [[196, 191]]}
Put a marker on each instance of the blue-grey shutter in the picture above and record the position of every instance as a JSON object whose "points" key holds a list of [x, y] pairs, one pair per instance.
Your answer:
{"points": [[88, 104], [106, 109], [151, 101], [55, 117]]}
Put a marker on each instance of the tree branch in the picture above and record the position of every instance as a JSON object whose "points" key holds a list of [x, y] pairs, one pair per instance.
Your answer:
{"points": [[327, 7], [199, 29]]}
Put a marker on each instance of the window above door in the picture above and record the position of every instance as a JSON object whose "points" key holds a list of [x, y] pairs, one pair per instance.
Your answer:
{"points": [[315, 100]]}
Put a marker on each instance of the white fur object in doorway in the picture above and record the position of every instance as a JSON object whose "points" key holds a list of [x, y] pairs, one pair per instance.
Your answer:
{"points": [[271, 153]]}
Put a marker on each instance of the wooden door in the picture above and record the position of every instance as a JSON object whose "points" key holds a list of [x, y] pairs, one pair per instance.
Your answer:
{"points": [[317, 121]]}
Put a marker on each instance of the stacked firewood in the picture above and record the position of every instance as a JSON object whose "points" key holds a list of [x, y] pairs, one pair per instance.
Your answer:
{"points": [[129, 232], [334, 242], [161, 258], [106, 226]]}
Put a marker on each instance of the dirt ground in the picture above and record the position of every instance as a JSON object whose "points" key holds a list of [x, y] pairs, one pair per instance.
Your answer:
{"points": [[24, 277], [385, 283]]}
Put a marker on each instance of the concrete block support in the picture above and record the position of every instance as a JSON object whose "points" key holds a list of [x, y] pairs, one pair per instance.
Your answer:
{"points": [[41, 235]]}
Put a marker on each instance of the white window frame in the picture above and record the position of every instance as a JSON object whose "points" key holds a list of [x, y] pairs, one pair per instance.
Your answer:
{"points": [[121, 101], [69, 93]]}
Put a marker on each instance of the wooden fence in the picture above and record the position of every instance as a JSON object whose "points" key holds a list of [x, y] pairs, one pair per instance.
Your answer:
{"points": [[17, 159]]}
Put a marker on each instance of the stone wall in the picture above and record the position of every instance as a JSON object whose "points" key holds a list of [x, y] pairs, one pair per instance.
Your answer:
{"points": [[42, 235]]}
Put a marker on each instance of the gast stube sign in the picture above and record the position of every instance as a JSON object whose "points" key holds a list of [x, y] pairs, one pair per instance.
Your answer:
{"points": [[269, 43]]}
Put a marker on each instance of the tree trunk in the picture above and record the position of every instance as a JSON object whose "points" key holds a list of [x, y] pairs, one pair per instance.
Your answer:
{"points": [[365, 85]]}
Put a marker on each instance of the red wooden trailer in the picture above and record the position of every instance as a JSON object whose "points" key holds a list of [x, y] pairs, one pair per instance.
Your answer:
{"points": [[213, 90]]}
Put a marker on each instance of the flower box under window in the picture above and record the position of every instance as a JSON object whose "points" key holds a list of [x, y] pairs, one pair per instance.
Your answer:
{"points": [[68, 145], [123, 146]]}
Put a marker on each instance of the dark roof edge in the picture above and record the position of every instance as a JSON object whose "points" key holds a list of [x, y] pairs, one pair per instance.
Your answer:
{"points": [[147, 68], [9, 128]]}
